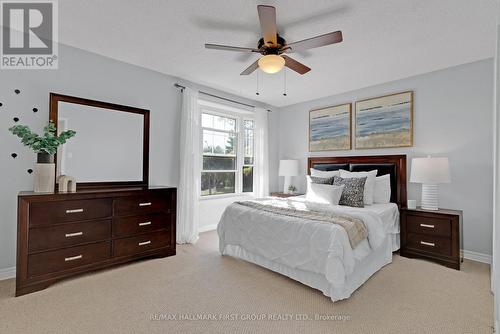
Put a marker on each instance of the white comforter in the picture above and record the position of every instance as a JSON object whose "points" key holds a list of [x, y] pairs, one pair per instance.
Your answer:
{"points": [[318, 247]]}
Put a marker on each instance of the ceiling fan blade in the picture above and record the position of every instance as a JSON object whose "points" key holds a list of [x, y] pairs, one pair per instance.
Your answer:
{"points": [[295, 65], [250, 69], [315, 42], [267, 17], [229, 48]]}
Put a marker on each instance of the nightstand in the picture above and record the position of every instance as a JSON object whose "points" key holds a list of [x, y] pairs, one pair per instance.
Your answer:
{"points": [[432, 235], [283, 195]]}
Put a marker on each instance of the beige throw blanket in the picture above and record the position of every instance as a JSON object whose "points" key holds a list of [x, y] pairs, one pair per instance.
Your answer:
{"points": [[355, 227]]}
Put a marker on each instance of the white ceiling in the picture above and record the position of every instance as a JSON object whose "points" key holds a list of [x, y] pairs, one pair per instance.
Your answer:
{"points": [[384, 40]]}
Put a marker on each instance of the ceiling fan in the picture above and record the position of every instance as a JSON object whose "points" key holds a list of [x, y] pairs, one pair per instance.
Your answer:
{"points": [[274, 48]]}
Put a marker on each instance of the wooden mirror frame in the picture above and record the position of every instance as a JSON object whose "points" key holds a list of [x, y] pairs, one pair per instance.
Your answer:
{"points": [[53, 116]]}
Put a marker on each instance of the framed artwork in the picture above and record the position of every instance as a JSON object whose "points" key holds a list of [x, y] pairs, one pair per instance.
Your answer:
{"points": [[385, 121], [330, 128]]}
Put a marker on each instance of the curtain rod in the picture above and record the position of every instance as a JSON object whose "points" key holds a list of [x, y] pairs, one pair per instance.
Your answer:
{"points": [[218, 97]]}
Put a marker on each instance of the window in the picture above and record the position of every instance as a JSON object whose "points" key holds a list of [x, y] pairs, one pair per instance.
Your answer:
{"points": [[224, 169]]}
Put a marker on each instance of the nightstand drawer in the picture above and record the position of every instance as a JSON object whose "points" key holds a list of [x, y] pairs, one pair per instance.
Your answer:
{"points": [[428, 243], [428, 225]]}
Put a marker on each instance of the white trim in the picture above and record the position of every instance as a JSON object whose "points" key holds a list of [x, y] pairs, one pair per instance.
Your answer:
{"points": [[475, 256], [7, 273], [207, 228]]}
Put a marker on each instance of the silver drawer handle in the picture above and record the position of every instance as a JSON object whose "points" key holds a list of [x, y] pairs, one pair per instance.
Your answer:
{"points": [[426, 225], [73, 258], [74, 211], [428, 243], [145, 204], [144, 243], [76, 234], [145, 224]]}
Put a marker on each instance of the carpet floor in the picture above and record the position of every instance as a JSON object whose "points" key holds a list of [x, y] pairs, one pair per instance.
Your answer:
{"points": [[199, 291]]}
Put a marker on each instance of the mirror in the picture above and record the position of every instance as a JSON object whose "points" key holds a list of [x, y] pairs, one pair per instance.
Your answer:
{"points": [[111, 146]]}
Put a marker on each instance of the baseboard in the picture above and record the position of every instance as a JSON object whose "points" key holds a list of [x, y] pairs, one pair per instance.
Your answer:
{"points": [[478, 257], [7, 273], [207, 228]]}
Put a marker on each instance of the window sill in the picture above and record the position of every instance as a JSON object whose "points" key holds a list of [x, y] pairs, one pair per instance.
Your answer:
{"points": [[225, 196]]}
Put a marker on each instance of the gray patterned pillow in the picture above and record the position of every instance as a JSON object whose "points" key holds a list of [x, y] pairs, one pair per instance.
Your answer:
{"points": [[353, 191], [322, 180]]}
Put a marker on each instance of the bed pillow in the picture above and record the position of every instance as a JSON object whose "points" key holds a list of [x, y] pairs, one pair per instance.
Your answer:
{"points": [[323, 193], [321, 180], [353, 193], [369, 185], [324, 174], [382, 192]]}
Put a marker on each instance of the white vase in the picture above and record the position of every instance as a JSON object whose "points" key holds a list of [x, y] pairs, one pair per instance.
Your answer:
{"points": [[45, 174]]}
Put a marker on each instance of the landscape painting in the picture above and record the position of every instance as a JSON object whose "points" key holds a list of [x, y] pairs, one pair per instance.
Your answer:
{"points": [[330, 128], [385, 121]]}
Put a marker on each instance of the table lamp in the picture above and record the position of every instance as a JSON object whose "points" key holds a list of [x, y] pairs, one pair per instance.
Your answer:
{"points": [[430, 172]]}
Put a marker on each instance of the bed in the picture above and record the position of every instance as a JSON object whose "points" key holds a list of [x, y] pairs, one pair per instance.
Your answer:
{"points": [[322, 256]]}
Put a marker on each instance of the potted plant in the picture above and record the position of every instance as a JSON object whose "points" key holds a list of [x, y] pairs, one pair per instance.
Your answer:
{"points": [[45, 146], [291, 189]]}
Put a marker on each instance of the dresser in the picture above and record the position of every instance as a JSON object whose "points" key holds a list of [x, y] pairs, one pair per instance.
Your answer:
{"points": [[64, 234], [432, 235]]}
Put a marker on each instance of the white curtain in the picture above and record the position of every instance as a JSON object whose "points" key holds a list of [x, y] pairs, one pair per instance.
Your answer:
{"points": [[261, 153], [189, 183]]}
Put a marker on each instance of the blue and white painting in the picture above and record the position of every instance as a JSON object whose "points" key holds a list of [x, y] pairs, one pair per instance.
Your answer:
{"points": [[385, 121], [330, 128]]}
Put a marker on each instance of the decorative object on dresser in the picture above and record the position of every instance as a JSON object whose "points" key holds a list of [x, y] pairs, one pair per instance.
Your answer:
{"points": [[283, 195], [432, 235], [430, 172], [385, 121], [66, 183], [45, 146], [61, 235], [288, 168], [330, 128]]}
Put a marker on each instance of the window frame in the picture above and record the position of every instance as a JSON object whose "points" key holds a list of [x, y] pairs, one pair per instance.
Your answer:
{"points": [[240, 149]]}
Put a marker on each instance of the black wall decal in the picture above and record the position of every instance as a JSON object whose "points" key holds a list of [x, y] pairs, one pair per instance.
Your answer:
{"points": [[14, 155], [1, 104], [30, 171], [17, 91], [35, 109], [16, 119]]}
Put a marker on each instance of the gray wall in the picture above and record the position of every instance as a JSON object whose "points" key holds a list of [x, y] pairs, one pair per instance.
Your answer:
{"points": [[452, 118], [91, 76]]}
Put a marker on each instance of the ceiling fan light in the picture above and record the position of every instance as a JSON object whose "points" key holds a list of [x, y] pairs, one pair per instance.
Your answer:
{"points": [[271, 63]]}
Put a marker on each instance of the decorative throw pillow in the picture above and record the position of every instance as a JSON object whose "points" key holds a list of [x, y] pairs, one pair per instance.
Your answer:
{"points": [[353, 191], [321, 180], [323, 173], [382, 193], [323, 193], [369, 185]]}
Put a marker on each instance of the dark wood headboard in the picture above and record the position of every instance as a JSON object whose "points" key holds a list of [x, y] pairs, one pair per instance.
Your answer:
{"points": [[394, 165]]}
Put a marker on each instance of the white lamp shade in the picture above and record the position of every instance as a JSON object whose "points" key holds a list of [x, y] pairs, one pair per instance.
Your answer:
{"points": [[289, 168], [430, 170]]}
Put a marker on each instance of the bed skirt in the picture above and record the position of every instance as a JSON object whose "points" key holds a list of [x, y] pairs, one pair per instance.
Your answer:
{"points": [[362, 270]]}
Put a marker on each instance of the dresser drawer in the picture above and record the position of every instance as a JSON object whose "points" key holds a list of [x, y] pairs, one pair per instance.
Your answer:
{"points": [[50, 237], [141, 243], [139, 205], [428, 225], [46, 213], [428, 243], [128, 226], [67, 258]]}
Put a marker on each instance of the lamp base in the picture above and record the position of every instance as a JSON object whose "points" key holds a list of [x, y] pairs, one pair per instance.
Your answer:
{"points": [[430, 197], [288, 181]]}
